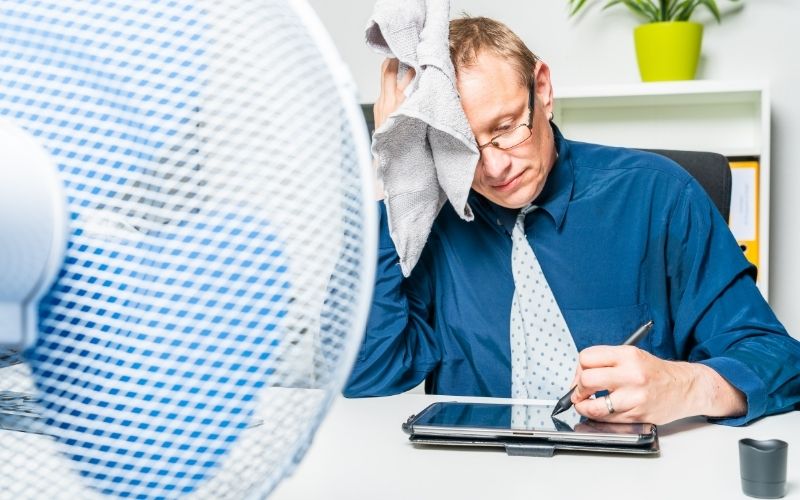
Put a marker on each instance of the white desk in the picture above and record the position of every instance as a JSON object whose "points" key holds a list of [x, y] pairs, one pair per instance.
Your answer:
{"points": [[361, 453]]}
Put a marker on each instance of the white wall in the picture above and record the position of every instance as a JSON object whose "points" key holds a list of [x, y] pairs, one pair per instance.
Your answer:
{"points": [[757, 42]]}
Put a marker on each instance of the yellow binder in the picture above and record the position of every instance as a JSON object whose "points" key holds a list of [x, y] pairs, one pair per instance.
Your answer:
{"points": [[743, 219]]}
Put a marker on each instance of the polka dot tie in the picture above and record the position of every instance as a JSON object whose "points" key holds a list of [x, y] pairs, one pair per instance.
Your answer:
{"points": [[543, 354]]}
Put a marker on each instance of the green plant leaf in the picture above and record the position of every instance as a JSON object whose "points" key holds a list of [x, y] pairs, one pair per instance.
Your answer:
{"points": [[685, 10], [644, 8], [664, 9], [575, 6], [712, 6], [672, 9], [653, 10], [656, 10]]}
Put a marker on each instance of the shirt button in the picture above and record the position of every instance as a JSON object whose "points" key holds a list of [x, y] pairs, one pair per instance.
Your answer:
{"points": [[499, 223]]}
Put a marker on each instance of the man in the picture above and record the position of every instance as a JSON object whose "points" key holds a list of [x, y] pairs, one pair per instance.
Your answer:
{"points": [[621, 236]]}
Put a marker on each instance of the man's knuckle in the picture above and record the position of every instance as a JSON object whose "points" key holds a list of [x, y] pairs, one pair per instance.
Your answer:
{"points": [[589, 380], [628, 352], [585, 356], [595, 412]]}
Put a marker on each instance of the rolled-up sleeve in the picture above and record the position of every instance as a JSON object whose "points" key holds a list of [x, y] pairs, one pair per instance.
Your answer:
{"points": [[399, 348], [720, 317]]}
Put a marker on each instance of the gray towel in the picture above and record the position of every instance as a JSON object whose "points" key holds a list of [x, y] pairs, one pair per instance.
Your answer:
{"points": [[426, 150]]}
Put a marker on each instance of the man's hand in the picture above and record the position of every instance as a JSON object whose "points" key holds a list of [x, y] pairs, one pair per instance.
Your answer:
{"points": [[390, 98], [391, 95], [644, 388]]}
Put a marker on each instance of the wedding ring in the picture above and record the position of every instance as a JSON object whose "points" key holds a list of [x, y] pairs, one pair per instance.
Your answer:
{"points": [[609, 405]]}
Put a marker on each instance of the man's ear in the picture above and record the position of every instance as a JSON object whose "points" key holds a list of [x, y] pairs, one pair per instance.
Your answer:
{"points": [[543, 87]]}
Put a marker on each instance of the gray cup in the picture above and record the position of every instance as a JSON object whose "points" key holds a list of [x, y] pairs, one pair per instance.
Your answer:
{"points": [[762, 465]]}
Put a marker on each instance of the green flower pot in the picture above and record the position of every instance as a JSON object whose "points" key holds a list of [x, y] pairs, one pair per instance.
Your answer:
{"points": [[668, 50]]}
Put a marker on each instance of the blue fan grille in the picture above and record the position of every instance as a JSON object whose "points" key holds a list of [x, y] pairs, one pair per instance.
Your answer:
{"points": [[216, 235]]}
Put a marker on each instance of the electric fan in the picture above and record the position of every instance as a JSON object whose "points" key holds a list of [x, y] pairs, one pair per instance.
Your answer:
{"points": [[187, 249]]}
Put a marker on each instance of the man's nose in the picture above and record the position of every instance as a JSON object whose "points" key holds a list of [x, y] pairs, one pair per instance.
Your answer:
{"points": [[495, 162]]}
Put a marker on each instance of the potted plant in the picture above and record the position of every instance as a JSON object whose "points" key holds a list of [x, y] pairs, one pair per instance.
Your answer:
{"points": [[668, 43]]}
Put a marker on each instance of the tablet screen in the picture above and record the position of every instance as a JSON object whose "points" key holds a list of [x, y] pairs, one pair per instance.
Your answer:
{"points": [[499, 416], [534, 420]]}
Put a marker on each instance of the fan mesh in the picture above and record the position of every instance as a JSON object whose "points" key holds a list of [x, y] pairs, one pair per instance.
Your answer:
{"points": [[208, 299]]}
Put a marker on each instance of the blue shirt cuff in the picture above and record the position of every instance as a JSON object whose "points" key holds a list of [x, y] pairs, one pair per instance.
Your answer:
{"points": [[743, 378]]}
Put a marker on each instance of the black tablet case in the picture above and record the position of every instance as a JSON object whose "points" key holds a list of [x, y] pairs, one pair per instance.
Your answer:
{"points": [[531, 446]]}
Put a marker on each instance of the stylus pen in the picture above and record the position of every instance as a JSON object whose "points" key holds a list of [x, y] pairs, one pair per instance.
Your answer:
{"points": [[565, 403]]}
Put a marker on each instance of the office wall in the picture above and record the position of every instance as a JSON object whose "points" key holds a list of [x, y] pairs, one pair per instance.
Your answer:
{"points": [[755, 42]]}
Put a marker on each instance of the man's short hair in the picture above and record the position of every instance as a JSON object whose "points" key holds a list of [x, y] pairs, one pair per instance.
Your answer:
{"points": [[470, 36]]}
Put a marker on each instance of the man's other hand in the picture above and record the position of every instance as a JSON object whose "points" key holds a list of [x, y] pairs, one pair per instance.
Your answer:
{"points": [[391, 96]]}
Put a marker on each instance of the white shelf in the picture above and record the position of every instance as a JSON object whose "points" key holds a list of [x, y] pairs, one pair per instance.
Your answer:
{"points": [[723, 89], [731, 118]]}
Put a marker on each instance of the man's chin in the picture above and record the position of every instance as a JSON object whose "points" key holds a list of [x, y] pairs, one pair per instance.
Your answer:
{"points": [[512, 202], [515, 199]]}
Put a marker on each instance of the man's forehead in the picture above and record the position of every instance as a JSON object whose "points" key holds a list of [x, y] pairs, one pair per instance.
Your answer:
{"points": [[491, 73], [485, 87]]}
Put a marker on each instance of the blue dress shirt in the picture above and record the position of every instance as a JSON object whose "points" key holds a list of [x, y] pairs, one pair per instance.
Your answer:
{"points": [[623, 236]]}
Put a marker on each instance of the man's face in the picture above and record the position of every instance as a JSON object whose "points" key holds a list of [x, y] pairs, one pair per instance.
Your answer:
{"points": [[495, 102]]}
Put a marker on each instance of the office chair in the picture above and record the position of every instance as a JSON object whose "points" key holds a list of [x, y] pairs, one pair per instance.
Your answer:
{"points": [[711, 170]]}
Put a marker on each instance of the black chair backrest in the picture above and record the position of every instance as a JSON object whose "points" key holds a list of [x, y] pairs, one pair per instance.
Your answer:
{"points": [[369, 117], [711, 170]]}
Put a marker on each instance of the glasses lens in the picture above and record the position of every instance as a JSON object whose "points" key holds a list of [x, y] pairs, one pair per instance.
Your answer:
{"points": [[512, 138]]}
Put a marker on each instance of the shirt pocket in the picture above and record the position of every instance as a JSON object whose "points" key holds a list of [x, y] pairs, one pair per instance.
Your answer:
{"points": [[608, 325]]}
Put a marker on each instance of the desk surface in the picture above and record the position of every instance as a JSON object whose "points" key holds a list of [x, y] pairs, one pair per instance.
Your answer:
{"points": [[360, 452]]}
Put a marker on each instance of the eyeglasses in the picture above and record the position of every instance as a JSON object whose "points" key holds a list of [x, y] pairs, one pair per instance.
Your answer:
{"points": [[517, 135]]}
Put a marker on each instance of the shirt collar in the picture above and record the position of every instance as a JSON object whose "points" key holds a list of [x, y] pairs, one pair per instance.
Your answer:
{"points": [[554, 198]]}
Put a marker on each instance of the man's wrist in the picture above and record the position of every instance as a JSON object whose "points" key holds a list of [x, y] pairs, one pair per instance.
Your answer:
{"points": [[712, 395]]}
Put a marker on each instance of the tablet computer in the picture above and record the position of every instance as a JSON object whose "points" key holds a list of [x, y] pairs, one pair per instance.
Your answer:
{"points": [[482, 424]]}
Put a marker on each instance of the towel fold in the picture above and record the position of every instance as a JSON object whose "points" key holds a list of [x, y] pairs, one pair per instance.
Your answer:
{"points": [[426, 150]]}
